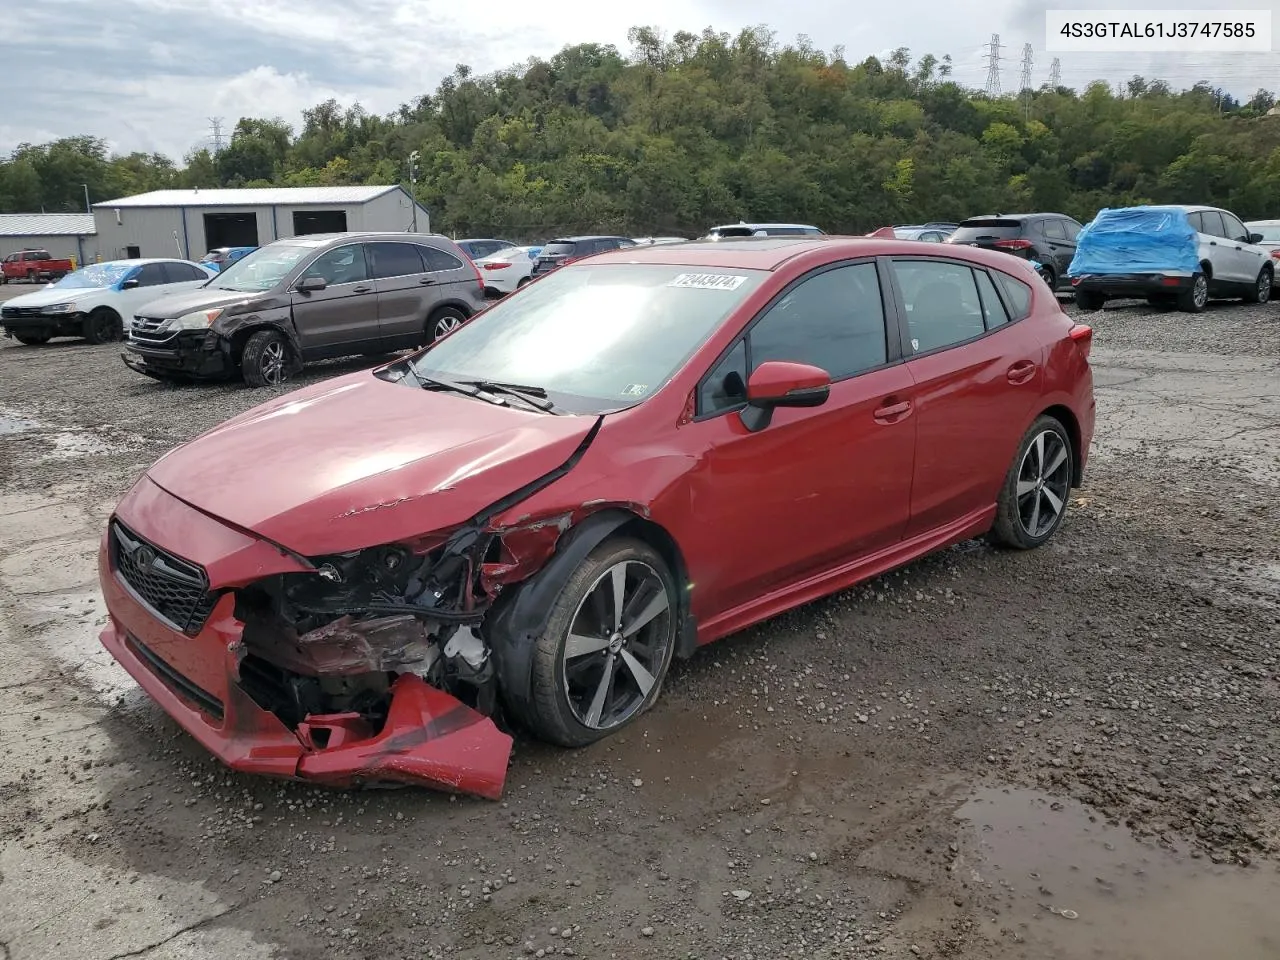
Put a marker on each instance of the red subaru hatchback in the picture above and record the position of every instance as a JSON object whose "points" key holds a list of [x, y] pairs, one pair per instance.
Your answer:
{"points": [[633, 456]]}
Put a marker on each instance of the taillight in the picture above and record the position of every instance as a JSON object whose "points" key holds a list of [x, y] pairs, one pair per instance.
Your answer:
{"points": [[1275, 254], [1082, 334], [496, 266], [479, 278], [1013, 244]]}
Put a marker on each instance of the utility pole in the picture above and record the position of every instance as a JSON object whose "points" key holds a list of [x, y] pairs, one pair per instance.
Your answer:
{"points": [[1055, 73], [993, 66], [413, 182], [1025, 80], [87, 207], [216, 134]]}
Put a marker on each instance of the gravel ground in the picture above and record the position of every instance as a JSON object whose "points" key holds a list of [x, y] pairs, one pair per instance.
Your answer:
{"points": [[1066, 753]]}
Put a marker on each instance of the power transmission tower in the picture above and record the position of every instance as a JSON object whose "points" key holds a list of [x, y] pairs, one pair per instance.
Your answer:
{"points": [[1024, 84], [993, 66], [215, 124], [1055, 73]]}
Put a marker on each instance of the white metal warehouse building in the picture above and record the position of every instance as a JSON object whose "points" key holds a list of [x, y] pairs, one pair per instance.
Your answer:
{"points": [[64, 235], [190, 223]]}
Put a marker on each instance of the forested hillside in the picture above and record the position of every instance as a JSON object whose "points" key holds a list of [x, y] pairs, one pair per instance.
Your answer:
{"points": [[692, 130]]}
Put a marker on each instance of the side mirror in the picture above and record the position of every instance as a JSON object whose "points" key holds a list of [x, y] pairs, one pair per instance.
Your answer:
{"points": [[311, 284], [129, 284], [1255, 238], [781, 383]]}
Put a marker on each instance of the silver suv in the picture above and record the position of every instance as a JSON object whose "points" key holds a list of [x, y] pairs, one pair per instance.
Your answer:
{"points": [[307, 298]]}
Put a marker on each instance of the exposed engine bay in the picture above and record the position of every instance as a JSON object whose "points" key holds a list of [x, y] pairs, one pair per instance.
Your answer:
{"points": [[333, 641]]}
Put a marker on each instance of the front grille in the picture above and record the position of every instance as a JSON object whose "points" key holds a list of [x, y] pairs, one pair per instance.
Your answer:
{"points": [[176, 591], [148, 324], [20, 313], [176, 682], [148, 330]]}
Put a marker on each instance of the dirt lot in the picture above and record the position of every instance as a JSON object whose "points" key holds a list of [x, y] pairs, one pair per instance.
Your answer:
{"points": [[1070, 753]]}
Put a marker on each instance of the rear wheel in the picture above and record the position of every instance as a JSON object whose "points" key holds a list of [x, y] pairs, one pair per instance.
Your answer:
{"points": [[32, 339], [1261, 291], [1195, 298], [1033, 500], [444, 321], [265, 359], [1090, 299], [32, 276], [103, 325], [1048, 276], [607, 646], [522, 281]]}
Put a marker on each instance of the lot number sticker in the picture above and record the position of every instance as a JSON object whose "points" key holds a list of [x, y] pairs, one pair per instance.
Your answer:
{"points": [[708, 281]]}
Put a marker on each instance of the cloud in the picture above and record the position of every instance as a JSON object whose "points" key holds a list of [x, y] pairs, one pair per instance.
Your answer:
{"points": [[148, 74]]}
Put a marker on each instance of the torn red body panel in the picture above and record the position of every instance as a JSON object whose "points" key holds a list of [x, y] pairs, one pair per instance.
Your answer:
{"points": [[428, 737]]}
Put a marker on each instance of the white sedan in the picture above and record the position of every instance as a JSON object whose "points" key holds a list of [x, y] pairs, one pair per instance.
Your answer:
{"points": [[507, 270], [94, 301]]}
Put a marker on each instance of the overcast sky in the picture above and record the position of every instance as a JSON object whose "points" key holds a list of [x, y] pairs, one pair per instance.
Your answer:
{"points": [[148, 74]]}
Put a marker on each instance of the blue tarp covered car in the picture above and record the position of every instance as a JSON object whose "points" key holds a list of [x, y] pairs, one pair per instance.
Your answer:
{"points": [[1149, 251]]}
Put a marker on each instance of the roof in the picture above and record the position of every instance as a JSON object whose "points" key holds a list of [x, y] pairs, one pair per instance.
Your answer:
{"points": [[250, 197], [46, 224], [763, 226], [770, 253], [1262, 223], [587, 236]]}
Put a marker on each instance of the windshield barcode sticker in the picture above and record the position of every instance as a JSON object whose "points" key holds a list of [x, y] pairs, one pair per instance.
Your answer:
{"points": [[708, 281]]}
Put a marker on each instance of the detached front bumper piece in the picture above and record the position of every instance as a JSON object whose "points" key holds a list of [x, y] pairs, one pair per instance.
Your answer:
{"points": [[195, 675], [1136, 285]]}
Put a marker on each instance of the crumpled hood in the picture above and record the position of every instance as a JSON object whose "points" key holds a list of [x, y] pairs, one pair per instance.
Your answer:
{"points": [[188, 301], [357, 461]]}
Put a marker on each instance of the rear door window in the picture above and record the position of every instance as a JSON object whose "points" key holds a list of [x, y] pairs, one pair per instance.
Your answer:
{"points": [[439, 260], [393, 259], [1213, 224], [1054, 230], [941, 303]]}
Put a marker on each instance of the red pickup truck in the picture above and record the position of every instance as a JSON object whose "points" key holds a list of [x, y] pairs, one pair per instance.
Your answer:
{"points": [[33, 266]]}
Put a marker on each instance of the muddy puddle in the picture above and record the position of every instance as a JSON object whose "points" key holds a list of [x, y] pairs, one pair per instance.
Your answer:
{"points": [[1069, 886], [55, 444]]}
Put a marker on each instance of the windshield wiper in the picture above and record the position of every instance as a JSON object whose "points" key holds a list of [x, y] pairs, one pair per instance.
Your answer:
{"points": [[535, 397]]}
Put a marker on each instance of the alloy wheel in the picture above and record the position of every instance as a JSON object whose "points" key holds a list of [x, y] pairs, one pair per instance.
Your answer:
{"points": [[446, 324], [273, 362], [1200, 291], [1264, 287], [1044, 481], [618, 642]]}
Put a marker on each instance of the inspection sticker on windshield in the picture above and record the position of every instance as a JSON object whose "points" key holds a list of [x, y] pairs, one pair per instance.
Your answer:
{"points": [[708, 281]]}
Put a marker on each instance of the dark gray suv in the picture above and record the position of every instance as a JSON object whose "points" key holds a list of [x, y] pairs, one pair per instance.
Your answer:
{"points": [[307, 298]]}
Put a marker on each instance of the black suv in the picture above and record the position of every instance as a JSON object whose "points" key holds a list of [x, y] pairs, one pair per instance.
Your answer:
{"points": [[1047, 238], [558, 252], [308, 298]]}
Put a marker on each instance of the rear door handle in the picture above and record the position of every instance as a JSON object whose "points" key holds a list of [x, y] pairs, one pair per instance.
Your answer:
{"points": [[892, 412], [1022, 372], [425, 281]]}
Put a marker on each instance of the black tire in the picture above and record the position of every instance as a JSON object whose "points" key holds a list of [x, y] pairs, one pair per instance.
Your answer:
{"points": [[33, 339], [1090, 300], [558, 702], [265, 360], [522, 281], [1195, 298], [33, 277], [1048, 276], [1029, 488], [1261, 291], [103, 325], [442, 321]]}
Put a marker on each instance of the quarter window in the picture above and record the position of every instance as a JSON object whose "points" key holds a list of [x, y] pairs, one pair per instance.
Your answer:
{"points": [[340, 265], [1072, 228], [393, 260], [941, 303], [438, 260], [1017, 294]]}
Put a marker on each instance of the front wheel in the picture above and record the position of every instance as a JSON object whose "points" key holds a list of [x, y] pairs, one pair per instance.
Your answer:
{"points": [[608, 643], [1261, 291], [103, 326], [1033, 499], [443, 322], [265, 360]]}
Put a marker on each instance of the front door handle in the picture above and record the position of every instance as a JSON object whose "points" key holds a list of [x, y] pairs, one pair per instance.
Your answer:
{"points": [[892, 411], [425, 281], [361, 289], [1022, 372]]}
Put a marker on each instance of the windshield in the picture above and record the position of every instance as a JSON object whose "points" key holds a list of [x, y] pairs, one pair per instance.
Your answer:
{"points": [[595, 337], [214, 256], [98, 275], [263, 268], [1270, 232]]}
